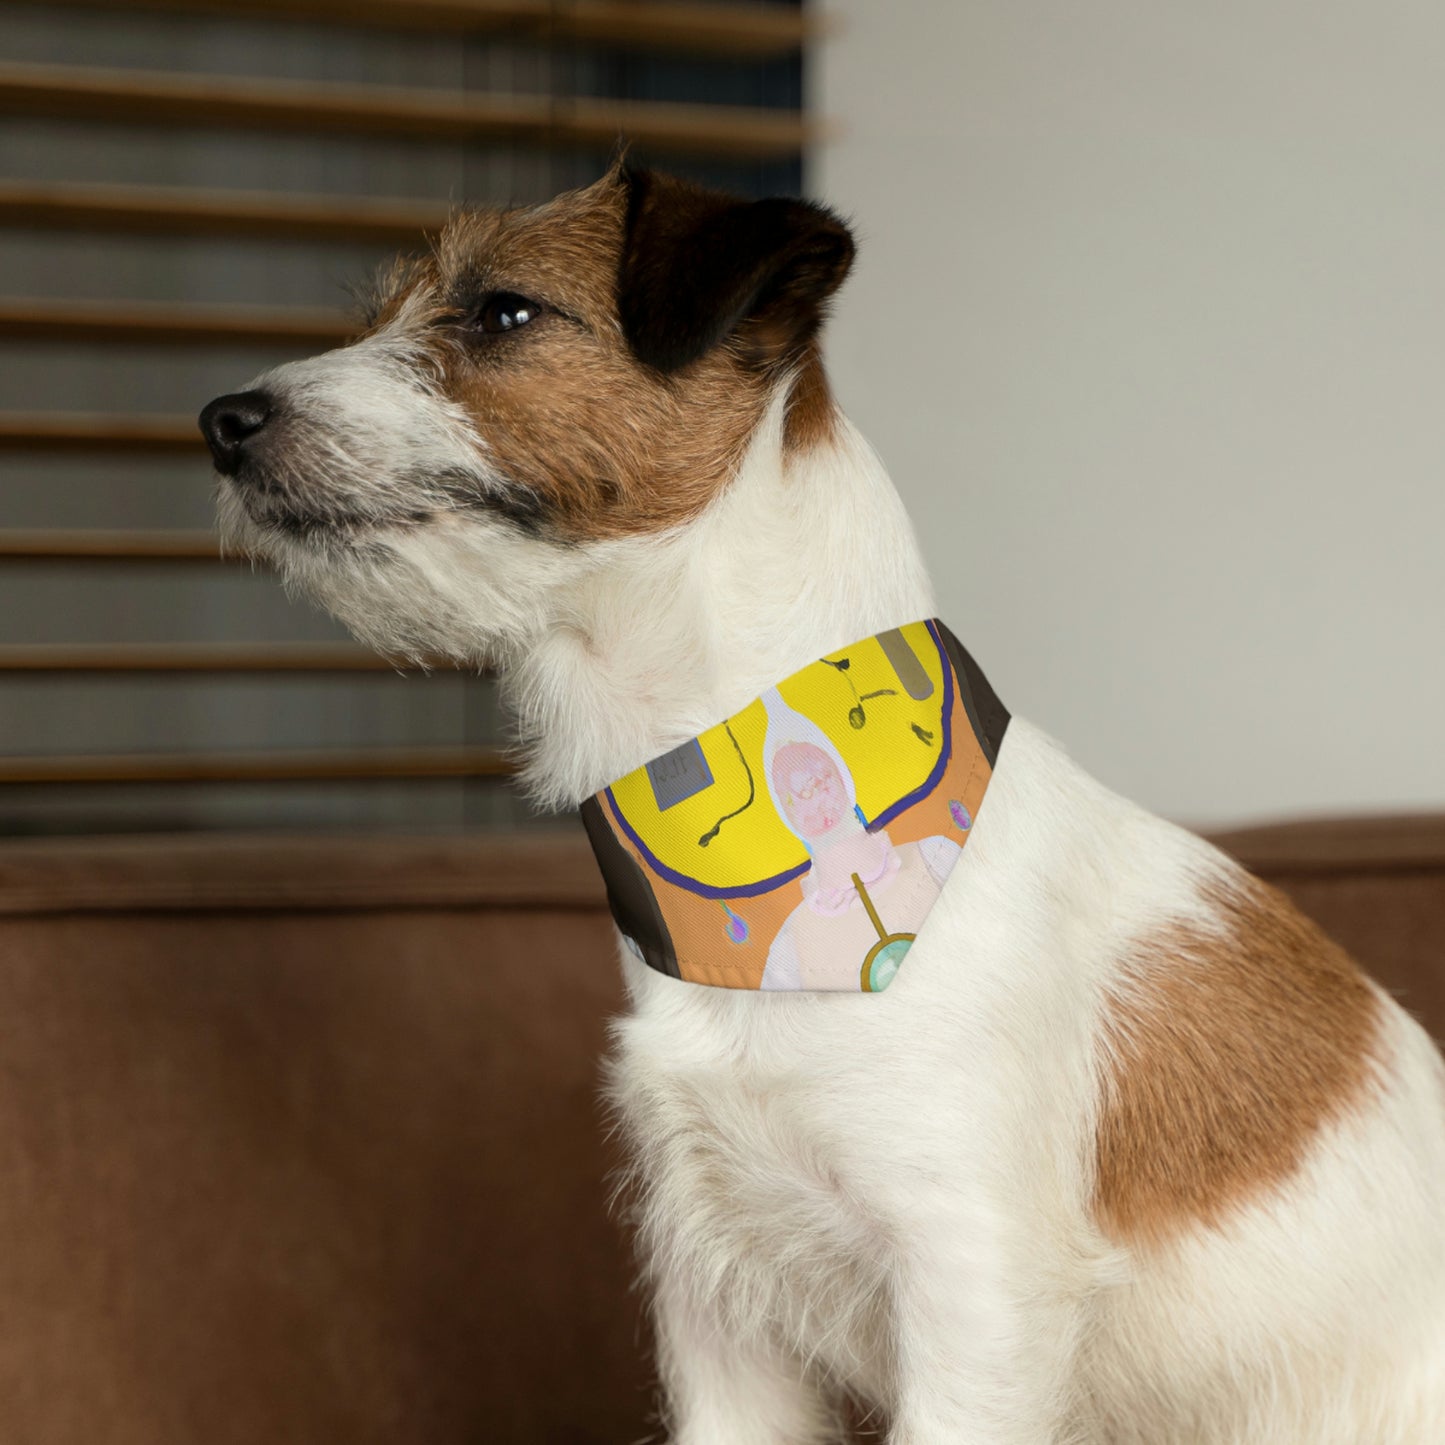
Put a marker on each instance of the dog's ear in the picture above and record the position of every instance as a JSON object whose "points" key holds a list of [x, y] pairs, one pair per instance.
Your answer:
{"points": [[699, 266]]}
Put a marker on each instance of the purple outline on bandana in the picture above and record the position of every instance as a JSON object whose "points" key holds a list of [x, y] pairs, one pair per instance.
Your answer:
{"points": [[754, 890]]}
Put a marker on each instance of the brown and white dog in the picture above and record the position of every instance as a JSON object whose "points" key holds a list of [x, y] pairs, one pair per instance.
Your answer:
{"points": [[1129, 1153]]}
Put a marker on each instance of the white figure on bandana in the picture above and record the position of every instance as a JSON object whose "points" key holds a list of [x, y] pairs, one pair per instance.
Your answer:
{"points": [[829, 935]]}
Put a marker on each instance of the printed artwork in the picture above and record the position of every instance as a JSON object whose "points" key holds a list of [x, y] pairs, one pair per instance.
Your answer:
{"points": [[801, 843]]}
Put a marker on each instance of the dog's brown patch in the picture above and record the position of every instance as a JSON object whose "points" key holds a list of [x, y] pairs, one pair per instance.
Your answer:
{"points": [[597, 444], [700, 267], [595, 441], [812, 413], [1227, 1053]]}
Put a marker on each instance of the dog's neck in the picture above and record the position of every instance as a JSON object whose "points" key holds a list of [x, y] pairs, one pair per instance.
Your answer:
{"points": [[804, 553]]}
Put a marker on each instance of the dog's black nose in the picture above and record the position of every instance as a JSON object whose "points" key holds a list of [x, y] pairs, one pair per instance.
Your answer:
{"points": [[229, 422]]}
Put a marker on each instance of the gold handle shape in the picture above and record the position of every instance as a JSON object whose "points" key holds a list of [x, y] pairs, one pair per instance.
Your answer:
{"points": [[887, 945]]}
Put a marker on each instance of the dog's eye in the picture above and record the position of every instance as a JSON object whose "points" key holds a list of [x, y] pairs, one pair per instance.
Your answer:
{"points": [[505, 311]]}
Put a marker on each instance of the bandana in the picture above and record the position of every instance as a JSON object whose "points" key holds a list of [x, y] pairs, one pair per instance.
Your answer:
{"points": [[801, 843]]}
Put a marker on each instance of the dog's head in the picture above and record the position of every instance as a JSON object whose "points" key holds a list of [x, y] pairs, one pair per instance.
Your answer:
{"points": [[547, 382]]}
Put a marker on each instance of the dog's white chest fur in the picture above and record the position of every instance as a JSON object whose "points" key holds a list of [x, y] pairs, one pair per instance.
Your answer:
{"points": [[796, 1148]]}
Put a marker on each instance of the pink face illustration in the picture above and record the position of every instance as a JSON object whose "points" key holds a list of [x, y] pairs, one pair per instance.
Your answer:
{"points": [[811, 788]]}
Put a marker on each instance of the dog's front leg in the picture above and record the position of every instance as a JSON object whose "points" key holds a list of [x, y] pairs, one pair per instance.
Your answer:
{"points": [[721, 1388], [986, 1344]]}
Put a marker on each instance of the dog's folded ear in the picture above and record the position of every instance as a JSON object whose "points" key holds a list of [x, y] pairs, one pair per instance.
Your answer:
{"points": [[699, 267]]}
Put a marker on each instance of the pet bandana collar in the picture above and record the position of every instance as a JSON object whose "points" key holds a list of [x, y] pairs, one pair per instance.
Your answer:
{"points": [[801, 843]]}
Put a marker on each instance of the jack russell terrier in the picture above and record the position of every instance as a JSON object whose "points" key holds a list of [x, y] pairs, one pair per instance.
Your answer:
{"points": [[954, 1084]]}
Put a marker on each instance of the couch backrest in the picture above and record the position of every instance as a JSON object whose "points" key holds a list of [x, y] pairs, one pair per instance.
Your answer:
{"points": [[300, 1142]]}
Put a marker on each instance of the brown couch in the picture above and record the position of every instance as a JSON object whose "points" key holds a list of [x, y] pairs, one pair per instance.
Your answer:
{"points": [[299, 1141]]}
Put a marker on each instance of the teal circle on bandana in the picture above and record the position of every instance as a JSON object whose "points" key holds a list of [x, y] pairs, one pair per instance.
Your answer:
{"points": [[882, 967]]}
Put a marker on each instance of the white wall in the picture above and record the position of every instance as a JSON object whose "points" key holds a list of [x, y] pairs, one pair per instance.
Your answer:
{"points": [[1149, 324]]}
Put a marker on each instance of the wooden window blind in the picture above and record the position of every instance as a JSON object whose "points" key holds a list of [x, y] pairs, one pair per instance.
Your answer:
{"points": [[187, 190]]}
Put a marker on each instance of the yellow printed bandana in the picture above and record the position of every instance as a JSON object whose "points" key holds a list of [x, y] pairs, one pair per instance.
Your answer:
{"points": [[801, 843]]}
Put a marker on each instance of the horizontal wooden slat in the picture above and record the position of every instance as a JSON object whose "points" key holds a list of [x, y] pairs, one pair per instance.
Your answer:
{"points": [[705, 29], [205, 657], [264, 767], [174, 211], [215, 101], [171, 324], [108, 546], [94, 431], [244, 657]]}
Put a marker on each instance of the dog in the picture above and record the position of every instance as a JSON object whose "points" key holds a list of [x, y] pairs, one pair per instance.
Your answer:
{"points": [[1128, 1153]]}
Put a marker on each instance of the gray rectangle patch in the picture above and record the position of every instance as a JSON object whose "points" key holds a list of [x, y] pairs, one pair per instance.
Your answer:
{"points": [[681, 774]]}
